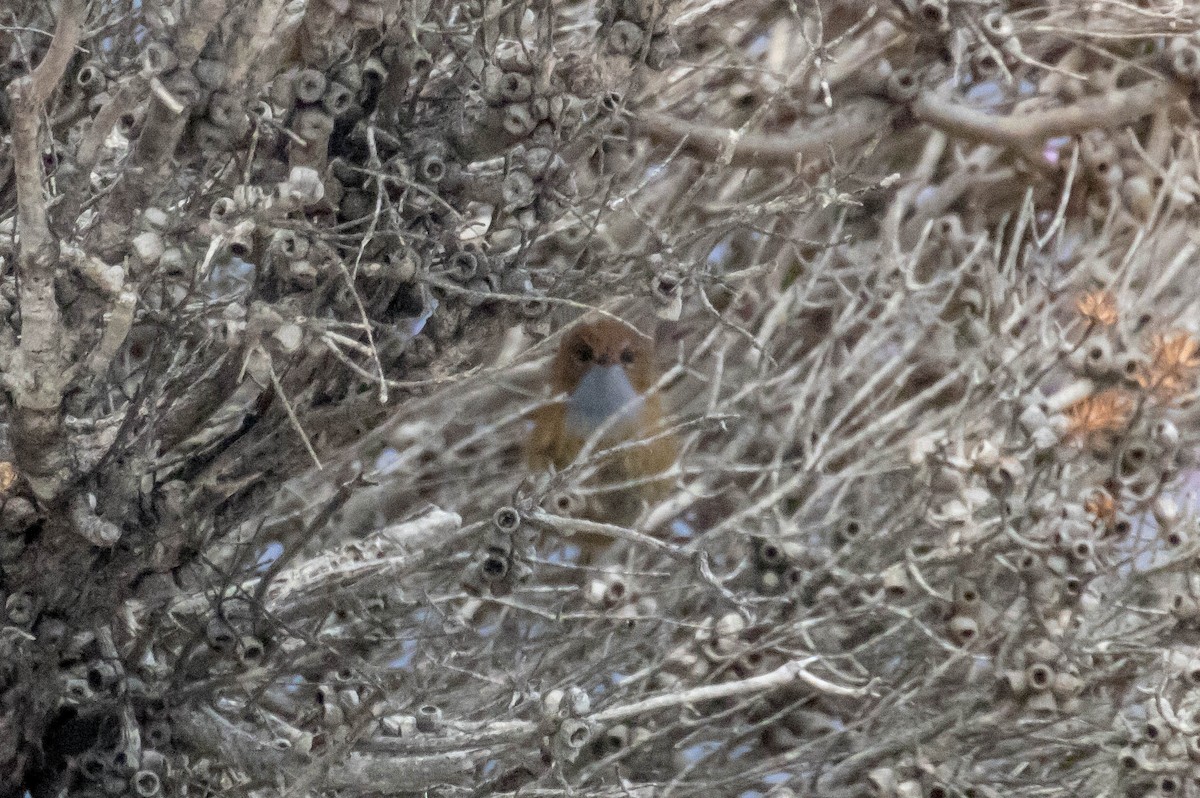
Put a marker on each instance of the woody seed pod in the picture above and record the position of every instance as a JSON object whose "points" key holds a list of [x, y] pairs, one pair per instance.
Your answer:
{"points": [[184, 87], [241, 239], [146, 783], [963, 628], [573, 734], [613, 739], [210, 72], [517, 120], [428, 718], [211, 138], [966, 597], [896, 582], [313, 125], [882, 782], [373, 69], [288, 244], [554, 704], [1095, 357], [1066, 685], [90, 77], [1185, 61], [567, 503], [902, 86], [220, 635], [769, 553], [350, 75], [1042, 704], [102, 676], [1128, 366], [1166, 433], [432, 168], [494, 565], [157, 59], [148, 247], [332, 716], [309, 85], [1138, 195], [463, 266], [934, 13], [518, 190], [250, 650], [996, 26], [986, 65], [338, 99], [514, 87], [663, 50], [625, 38], [20, 609], [506, 520], [225, 111]]}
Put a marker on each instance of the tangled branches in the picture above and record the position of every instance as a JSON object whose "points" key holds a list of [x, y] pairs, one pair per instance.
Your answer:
{"points": [[278, 286]]}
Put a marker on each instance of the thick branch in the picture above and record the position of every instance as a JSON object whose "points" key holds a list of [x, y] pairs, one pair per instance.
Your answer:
{"points": [[307, 586], [788, 673], [36, 374], [515, 732], [232, 745], [46, 76], [756, 149], [1029, 131], [390, 775]]}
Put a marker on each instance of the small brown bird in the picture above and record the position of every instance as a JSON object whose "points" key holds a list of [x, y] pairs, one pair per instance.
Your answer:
{"points": [[606, 368]]}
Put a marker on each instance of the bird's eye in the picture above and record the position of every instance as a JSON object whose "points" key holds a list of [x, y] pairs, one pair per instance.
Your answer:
{"points": [[627, 356], [584, 353]]}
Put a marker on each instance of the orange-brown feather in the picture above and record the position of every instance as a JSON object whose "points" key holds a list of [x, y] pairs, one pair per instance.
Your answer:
{"points": [[607, 341]]}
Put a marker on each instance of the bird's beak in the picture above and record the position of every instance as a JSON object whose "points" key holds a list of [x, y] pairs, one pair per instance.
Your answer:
{"points": [[603, 392]]}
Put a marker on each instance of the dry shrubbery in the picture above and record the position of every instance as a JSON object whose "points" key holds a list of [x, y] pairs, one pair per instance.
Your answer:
{"points": [[279, 282]]}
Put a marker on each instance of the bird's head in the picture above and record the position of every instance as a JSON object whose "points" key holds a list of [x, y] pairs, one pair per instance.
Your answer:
{"points": [[603, 343], [605, 366]]}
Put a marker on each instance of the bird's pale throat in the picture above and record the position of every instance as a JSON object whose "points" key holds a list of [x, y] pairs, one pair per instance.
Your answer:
{"points": [[604, 392]]}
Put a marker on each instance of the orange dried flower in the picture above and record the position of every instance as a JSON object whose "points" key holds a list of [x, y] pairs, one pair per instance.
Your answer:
{"points": [[1102, 506], [1101, 412], [1174, 362], [1098, 307]]}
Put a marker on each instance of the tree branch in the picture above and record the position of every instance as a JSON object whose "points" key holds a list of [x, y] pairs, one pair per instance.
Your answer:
{"points": [[757, 149], [1027, 132], [37, 372], [785, 674], [514, 732], [390, 775]]}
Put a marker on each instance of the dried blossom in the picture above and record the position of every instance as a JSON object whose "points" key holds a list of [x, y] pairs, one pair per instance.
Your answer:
{"points": [[1174, 363], [1106, 411], [1101, 506], [1098, 307]]}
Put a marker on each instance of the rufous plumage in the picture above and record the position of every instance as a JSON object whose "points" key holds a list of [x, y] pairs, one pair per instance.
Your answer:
{"points": [[606, 370]]}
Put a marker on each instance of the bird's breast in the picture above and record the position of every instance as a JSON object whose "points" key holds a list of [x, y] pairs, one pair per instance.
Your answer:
{"points": [[604, 392]]}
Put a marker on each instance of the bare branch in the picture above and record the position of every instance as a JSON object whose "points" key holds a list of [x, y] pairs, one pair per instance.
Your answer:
{"points": [[754, 149], [1027, 132], [36, 374]]}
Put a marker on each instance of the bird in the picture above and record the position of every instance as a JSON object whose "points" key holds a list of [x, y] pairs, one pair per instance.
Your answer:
{"points": [[604, 370]]}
